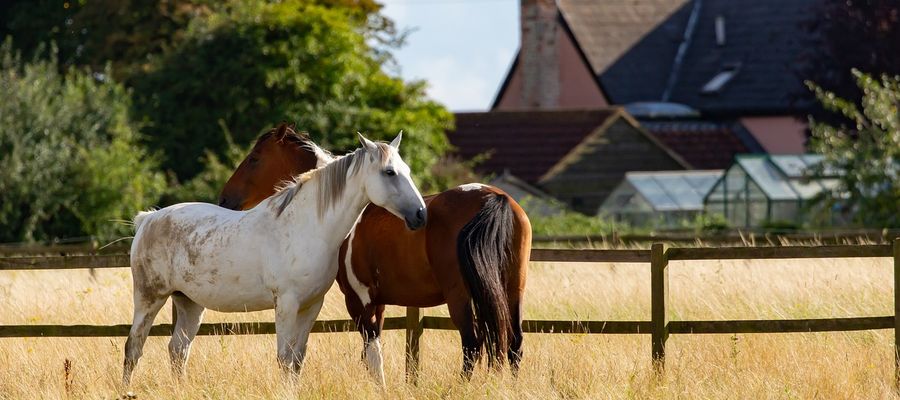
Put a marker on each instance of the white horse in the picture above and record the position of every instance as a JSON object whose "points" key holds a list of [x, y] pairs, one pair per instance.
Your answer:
{"points": [[279, 254]]}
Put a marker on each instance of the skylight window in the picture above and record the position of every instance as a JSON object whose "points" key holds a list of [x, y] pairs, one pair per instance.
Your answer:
{"points": [[720, 30], [721, 79]]}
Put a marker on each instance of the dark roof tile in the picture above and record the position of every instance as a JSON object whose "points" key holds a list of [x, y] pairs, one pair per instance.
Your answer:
{"points": [[702, 143], [527, 143]]}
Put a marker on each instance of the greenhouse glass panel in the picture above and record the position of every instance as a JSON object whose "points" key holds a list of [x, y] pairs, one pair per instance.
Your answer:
{"points": [[757, 205], [755, 193], [768, 177], [812, 160], [638, 203], [785, 211], [715, 208], [620, 199], [703, 182], [737, 212], [793, 166], [680, 191], [758, 213], [807, 189], [717, 194], [653, 192]]}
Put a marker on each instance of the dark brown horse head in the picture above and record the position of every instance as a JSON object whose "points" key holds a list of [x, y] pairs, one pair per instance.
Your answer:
{"points": [[278, 155]]}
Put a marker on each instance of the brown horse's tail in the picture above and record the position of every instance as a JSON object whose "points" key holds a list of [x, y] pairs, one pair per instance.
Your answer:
{"points": [[483, 249]]}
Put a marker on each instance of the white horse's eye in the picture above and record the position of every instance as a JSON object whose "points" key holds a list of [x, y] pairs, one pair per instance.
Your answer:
{"points": [[389, 172]]}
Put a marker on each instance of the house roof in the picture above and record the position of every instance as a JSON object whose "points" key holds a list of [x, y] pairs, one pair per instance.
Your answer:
{"points": [[704, 144], [608, 29], [764, 39], [526, 143], [644, 50], [506, 178]]}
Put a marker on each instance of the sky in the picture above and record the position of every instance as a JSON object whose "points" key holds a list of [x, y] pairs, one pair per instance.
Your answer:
{"points": [[462, 48]]}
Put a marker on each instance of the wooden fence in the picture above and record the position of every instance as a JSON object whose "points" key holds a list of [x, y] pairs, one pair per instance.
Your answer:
{"points": [[92, 245], [764, 237], [659, 327]]}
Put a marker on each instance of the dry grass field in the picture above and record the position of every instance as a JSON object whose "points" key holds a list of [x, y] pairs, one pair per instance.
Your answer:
{"points": [[762, 366]]}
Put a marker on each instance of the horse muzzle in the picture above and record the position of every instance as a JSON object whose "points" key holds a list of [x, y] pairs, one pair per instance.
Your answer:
{"points": [[417, 219]]}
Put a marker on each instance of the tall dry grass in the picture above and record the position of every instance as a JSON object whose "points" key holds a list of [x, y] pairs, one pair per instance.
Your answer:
{"points": [[782, 366]]}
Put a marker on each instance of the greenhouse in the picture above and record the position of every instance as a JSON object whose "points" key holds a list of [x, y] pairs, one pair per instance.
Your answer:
{"points": [[768, 190], [662, 199]]}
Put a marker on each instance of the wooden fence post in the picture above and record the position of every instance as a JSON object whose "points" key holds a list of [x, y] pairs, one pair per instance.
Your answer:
{"points": [[659, 294], [414, 331], [896, 254]]}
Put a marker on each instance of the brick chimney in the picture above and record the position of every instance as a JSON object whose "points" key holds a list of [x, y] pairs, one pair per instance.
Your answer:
{"points": [[539, 58]]}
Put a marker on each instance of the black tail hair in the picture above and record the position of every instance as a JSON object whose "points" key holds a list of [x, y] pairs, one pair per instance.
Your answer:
{"points": [[483, 249]]}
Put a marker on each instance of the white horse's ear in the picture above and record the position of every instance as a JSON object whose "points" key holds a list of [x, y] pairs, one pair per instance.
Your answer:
{"points": [[396, 142], [366, 143]]}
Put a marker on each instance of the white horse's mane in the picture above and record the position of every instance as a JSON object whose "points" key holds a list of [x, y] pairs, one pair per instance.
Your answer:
{"points": [[332, 179]]}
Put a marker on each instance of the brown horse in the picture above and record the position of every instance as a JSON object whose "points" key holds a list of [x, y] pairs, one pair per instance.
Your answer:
{"points": [[262, 171], [472, 255]]}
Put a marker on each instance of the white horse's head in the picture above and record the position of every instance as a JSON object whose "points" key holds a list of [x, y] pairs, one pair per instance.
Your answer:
{"points": [[388, 183]]}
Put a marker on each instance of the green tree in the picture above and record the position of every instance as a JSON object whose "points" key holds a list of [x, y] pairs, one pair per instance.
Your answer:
{"points": [[130, 33], [868, 153], [70, 161], [254, 63], [207, 185], [124, 33], [843, 35]]}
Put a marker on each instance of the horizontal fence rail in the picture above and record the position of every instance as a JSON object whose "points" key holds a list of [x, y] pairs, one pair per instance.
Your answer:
{"points": [[752, 236], [659, 327], [92, 245], [537, 255]]}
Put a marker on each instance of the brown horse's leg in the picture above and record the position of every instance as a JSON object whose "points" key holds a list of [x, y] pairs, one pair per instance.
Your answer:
{"points": [[515, 288], [461, 314], [515, 340], [369, 320], [372, 346], [516, 274]]}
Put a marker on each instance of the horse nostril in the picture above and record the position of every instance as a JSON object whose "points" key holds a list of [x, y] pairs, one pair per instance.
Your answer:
{"points": [[420, 214]]}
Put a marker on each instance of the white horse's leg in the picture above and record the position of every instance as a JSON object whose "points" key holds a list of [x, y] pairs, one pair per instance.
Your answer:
{"points": [[144, 314], [189, 315], [292, 326]]}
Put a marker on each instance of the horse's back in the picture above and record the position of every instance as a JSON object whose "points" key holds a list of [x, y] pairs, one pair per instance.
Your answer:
{"points": [[457, 206], [195, 248], [177, 221]]}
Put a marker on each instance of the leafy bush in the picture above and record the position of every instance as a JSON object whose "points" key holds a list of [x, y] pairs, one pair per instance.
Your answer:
{"points": [[780, 226], [256, 63], [70, 161], [552, 218], [867, 154], [710, 223], [570, 223]]}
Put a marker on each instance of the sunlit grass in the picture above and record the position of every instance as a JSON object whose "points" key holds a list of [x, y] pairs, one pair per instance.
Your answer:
{"points": [[820, 365]]}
